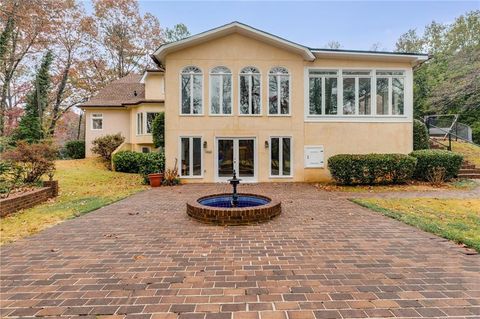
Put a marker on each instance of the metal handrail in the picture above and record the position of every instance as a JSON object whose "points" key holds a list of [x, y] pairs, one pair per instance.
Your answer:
{"points": [[448, 134]]}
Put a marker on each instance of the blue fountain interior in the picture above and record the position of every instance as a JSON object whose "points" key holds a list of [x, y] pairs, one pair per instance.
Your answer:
{"points": [[226, 201]]}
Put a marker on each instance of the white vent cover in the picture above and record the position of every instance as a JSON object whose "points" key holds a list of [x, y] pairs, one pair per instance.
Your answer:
{"points": [[314, 156]]}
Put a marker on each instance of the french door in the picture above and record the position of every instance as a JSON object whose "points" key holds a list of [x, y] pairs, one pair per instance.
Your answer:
{"points": [[237, 154]]}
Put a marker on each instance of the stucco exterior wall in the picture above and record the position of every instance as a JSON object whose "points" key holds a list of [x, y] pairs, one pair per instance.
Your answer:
{"points": [[337, 136], [114, 121], [154, 86], [122, 121]]}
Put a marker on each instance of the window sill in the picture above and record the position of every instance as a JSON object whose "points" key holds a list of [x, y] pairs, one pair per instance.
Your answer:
{"points": [[191, 177], [221, 115], [358, 118], [250, 115], [280, 177], [279, 115]]}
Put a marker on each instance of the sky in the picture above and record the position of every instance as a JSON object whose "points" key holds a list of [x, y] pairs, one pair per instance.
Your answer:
{"points": [[356, 25]]}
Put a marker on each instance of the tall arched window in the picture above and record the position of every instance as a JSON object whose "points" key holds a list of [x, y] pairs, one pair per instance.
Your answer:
{"points": [[278, 91], [220, 90], [191, 88], [250, 83]]}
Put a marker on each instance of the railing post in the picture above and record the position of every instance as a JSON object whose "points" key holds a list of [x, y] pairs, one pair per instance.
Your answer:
{"points": [[449, 141]]}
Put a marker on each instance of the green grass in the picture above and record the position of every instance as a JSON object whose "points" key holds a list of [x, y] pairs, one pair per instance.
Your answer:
{"points": [[454, 219], [85, 185], [470, 152]]}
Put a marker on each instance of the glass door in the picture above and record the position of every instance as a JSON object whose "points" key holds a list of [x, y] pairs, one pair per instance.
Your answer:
{"points": [[236, 154]]}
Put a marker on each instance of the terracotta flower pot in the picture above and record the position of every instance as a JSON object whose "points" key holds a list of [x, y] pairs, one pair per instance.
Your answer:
{"points": [[155, 179]]}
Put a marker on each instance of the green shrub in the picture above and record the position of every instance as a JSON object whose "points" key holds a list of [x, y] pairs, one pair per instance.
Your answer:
{"points": [[127, 161], [158, 130], [105, 145], [151, 163], [75, 149], [420, 136], [429, 160], [371, 169], [139, 163]]}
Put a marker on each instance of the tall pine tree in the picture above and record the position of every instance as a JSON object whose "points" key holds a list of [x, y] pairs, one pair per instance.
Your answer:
{"points": [[30, 127]]}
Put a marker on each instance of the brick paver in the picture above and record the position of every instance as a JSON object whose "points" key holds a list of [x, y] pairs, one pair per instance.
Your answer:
{"points": [[324, 257]]}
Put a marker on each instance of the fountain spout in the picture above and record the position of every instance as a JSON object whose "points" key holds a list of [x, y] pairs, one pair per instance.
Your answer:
{"points": [[234, 182]]}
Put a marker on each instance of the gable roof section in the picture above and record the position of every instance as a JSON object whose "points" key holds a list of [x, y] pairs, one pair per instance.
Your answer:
{"points": [[120, 93], [233, 27], [309, 54]]}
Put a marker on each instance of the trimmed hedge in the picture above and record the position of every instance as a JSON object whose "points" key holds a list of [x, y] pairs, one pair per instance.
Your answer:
{"points": [[350, 169], [420, 136], [75, 149], [430, 159], [127, 161], [139, 163]]}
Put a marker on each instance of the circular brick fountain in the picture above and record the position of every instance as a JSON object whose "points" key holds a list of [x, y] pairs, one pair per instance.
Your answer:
{"points": [[234, 208]]}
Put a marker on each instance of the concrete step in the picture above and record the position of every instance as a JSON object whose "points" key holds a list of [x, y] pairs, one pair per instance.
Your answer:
{"points": [[468, 166]]}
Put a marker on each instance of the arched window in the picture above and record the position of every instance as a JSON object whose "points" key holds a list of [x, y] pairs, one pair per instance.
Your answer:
{"points": [[220, 90], [191, 88], [278, 91], [250, 83]]}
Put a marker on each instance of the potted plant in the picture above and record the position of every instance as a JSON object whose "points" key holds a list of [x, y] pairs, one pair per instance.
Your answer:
{"points": [[151, 169], [155, 179]]}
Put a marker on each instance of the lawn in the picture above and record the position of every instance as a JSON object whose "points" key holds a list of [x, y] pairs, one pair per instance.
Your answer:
{"points": [[85, 185], [470, 152], [412, 186], [454, 219]]}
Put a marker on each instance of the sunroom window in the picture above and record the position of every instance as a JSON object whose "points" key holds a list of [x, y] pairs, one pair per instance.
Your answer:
{"points": [[191, 156], [357, 92], [280, 156], [140, 126], [323, 92], [221, 90], [191, 90], [278, 91], [390, 92], [150, 117], [250, 82]]}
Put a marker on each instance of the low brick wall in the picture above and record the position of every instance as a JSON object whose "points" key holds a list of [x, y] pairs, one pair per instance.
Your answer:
{"points": [[234, 216], [29, 199]]}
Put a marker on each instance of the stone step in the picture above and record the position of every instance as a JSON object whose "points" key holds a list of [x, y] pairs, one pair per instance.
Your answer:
{"points": [[467, 166], [469, 171], [472, 176]]}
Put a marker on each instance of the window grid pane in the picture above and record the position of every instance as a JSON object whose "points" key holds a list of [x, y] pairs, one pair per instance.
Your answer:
{"points": [[273, 96], [286, 156], [331, 96], [382, 96], [364, 96], [197, 156], [275, 157], [348, 96], [397, 96], [315, 92]]}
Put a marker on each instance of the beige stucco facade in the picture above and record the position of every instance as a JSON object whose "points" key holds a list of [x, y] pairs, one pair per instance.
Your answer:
{"points": [[236, 50], [336, 136]]}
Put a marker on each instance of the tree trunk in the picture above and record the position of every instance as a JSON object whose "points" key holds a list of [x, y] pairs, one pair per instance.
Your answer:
{"points": [[59, 96]]}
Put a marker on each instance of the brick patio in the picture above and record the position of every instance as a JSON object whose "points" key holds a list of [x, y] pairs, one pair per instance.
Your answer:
{"points": [[324, 257]]}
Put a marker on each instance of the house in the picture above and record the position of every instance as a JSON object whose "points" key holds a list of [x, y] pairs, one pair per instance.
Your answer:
{"points": [[238, 98]]}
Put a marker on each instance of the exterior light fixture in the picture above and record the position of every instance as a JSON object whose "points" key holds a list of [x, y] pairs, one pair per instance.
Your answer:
{"points": [[266, 144], [204, 144]]}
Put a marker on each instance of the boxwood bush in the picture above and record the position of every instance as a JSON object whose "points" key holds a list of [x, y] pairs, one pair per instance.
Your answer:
{"points": [[427, 160], [370, 169], [139, 163], [420, 136], [75, 149]]}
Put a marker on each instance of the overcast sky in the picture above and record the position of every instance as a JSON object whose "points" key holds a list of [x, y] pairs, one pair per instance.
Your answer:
{"points": [[356, 25]]}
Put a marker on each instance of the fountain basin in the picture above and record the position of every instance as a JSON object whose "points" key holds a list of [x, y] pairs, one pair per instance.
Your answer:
{"points": [[217, 209]]}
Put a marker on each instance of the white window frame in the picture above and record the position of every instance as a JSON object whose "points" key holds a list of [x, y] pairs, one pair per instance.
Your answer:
{"points": [[322, 77], [240, 74], [357, 78], [191, 74], [147, 148], [407, 115], [212, 75], [96, 116], [278, 75], [140, 120], [280, 156], [190, 137]]}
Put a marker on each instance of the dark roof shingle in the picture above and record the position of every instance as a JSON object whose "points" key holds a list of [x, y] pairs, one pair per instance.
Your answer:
{"points": [[119, 92]]}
